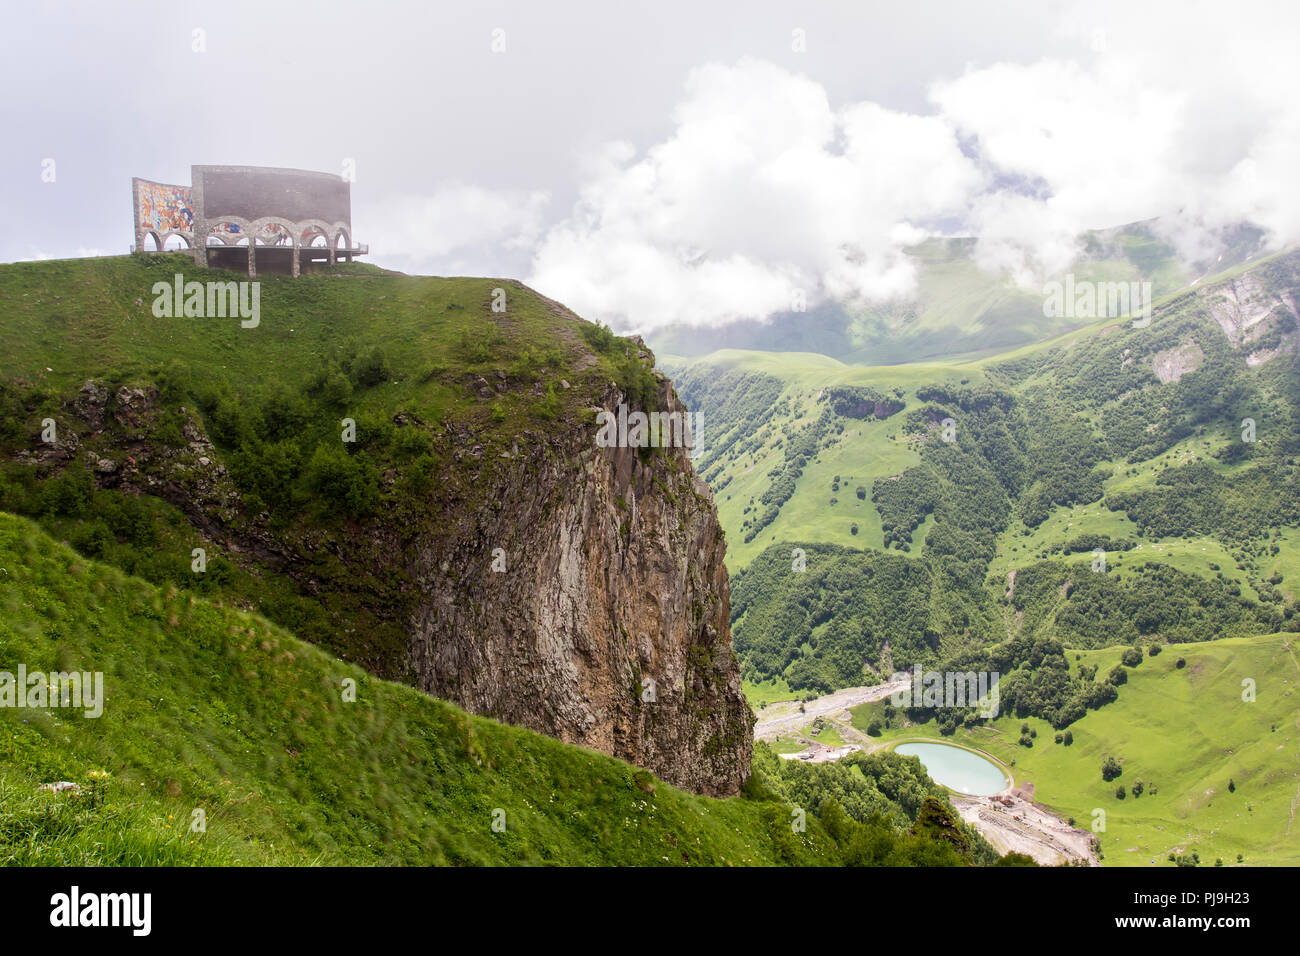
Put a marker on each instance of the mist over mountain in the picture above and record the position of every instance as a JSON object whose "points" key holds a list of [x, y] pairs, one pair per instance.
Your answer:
{"points": [[945, 507], [959, 308]]}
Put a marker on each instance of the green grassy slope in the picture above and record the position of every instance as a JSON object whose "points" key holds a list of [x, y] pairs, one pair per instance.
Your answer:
{"points": [[66, 320], [406, 358], [864, 452], [217, 711], [1187, 731], [213, 708], [1059, 448]]}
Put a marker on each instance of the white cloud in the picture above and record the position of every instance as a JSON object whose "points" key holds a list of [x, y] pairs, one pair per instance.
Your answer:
{"points": [[765, 189], [456, 220], [1082, 149], [1190, 119], [763, 192]]}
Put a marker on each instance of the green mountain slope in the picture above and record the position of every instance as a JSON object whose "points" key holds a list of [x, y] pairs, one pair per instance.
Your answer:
{"points": [[212, 708], [1053, 514], [403, 470], [1113, 437]]}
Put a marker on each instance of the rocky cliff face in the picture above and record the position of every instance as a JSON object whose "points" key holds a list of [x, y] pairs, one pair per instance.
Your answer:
{"points": [[572, 589], [589, 600]]}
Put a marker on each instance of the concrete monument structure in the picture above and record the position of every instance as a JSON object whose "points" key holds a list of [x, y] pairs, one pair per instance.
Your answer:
{"points": [[262, 217]]}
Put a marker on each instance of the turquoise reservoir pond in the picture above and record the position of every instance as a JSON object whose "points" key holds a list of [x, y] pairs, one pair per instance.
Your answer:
{"points": [[957, 769]]}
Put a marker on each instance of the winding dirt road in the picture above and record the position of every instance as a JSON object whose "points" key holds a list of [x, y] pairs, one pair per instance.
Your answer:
{"points": [[776, 720]]}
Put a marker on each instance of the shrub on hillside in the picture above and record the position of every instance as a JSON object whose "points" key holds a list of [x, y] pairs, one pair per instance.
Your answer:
{"points": [[370, 369], [343, 481]]}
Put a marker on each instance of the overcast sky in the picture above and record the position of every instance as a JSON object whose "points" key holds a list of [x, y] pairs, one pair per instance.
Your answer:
{"points": [[693, 162]]}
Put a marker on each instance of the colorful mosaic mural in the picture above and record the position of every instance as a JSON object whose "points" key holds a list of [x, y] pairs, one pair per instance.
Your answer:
{"points": [[166, 208], [272, 232]]}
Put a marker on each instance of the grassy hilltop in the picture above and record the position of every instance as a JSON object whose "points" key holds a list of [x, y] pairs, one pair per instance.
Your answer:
{"points": [[199, 433], [408, 359]]}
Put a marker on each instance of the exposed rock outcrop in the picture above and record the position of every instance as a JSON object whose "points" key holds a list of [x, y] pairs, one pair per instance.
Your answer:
{"points": [[1239, 305], [1172, 364], [603, 617], [1258, 317], [572, 589]]}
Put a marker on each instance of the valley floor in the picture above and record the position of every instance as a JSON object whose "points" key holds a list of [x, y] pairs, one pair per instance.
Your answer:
{"points": [[1011, 821], [1209, 727]]}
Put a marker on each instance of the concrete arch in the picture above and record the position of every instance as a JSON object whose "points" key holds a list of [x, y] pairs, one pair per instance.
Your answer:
{"points": [[319, 226], [145, 236], [212, 235], [260, 229], [212, 231], [271, 232], [311, 233], [342, 241], [287, 233], [186, 238]]}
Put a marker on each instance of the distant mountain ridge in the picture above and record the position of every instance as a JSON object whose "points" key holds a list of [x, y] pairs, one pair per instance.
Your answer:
{"points": [[972, 514], [959, 310]]}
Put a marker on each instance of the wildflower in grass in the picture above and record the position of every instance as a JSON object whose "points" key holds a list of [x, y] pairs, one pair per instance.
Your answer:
{"points": [[98, 781]]}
